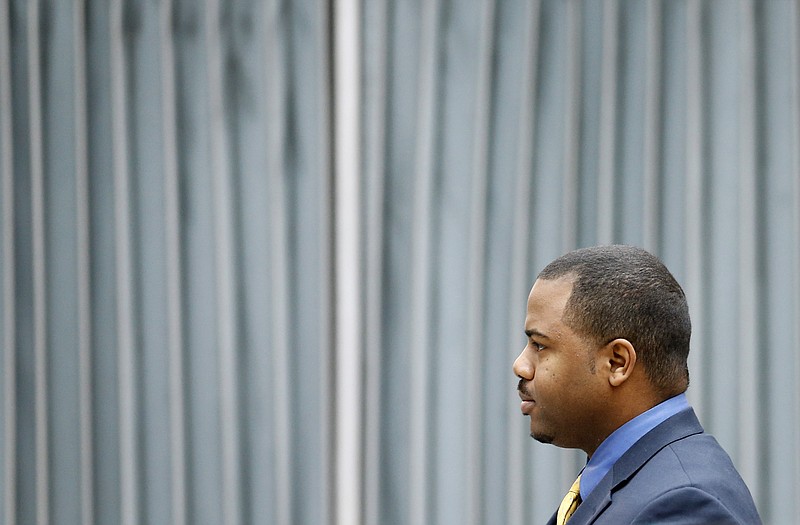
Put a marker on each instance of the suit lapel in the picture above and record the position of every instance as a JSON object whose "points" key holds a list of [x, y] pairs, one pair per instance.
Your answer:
{"points": [[679, 426]]}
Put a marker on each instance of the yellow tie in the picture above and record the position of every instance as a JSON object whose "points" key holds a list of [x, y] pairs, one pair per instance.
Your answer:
{"points": [[569, 503]]}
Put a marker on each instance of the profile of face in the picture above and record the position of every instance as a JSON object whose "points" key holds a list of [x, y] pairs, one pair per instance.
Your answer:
{"points": [[561, 384]]}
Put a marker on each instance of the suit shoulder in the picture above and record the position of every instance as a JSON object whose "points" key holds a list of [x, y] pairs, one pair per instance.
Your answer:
{"points": [[695, 472]]}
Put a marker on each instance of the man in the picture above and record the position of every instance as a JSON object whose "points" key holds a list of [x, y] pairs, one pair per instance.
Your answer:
{"points": [[605, 371]]}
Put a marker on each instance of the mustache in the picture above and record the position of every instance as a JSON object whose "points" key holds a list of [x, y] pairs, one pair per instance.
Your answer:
{"points": [[524, 393], [521, 387]]}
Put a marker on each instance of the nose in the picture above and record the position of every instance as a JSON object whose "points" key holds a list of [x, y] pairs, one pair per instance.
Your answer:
{"points": [[523, 367]]}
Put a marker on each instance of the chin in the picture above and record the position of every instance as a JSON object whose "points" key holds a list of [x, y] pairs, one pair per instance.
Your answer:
{"points": [[542, 438]]}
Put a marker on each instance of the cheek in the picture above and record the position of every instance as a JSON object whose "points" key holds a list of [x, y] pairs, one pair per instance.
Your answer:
{"points": [[549, 383], [547, 371]]}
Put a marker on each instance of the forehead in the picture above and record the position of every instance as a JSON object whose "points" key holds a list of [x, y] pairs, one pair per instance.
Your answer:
{"points": [[546, 304]]}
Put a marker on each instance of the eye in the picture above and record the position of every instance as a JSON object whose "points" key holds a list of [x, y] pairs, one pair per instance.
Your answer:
{"points": [[537, 346]]}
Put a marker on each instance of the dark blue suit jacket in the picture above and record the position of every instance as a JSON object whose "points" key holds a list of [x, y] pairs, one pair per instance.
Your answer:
{"points": [[676, 473]]}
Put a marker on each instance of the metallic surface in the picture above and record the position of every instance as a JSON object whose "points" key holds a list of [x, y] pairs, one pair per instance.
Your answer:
{"points": [[267, 262]]}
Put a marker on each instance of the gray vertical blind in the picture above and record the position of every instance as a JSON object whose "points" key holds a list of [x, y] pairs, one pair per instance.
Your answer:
{"points": [[8, 428], [170, 260]]}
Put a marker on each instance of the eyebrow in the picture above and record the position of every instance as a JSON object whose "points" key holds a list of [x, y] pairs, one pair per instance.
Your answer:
{"points": [[537, 333]]}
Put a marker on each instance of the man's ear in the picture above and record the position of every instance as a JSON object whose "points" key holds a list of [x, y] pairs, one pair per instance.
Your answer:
{"points": [[621, 359]]}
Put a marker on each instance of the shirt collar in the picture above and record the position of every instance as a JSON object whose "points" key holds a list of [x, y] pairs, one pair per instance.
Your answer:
{"points": [[615, 445]]}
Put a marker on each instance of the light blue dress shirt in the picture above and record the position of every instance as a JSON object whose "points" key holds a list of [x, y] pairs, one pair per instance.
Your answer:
{"points": [[623, 438]]}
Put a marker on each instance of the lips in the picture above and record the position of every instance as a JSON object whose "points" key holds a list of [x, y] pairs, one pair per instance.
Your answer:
{"points": [[527, 403]]}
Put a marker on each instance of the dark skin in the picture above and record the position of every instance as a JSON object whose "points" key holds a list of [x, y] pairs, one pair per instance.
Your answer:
{"points": [[576, 392]]}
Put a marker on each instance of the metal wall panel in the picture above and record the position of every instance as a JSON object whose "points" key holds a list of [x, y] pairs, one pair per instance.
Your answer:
{"points": [[166, 262], [266, 262]]}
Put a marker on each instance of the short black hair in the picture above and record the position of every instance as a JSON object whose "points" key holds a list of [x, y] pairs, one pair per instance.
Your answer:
{"points": [[626, 292]]}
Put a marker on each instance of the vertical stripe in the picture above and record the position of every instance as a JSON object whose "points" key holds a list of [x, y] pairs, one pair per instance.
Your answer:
{"points": [[225, 277], [652, 127], [572, 119], [517, 481], [174, 289], [477, 264], [375, 171], [348, 261], [280, 338], [694, 215], [9, 274], [38, 267], [276, 118], [795, 299], [749, 297], [327, 348], [126, 344], [425, 159], [608, 133], [84, 278]]}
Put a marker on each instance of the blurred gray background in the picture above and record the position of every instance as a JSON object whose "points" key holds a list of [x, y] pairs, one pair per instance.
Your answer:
{"points": [[267, 261]]}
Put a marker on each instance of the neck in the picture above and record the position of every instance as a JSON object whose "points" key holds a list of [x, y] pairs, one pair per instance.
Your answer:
{"points": [[628, 403]]}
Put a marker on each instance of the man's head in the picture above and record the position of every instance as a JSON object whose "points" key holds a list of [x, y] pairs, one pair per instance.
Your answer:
{"points": [[626, 292], [607, 325]]}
